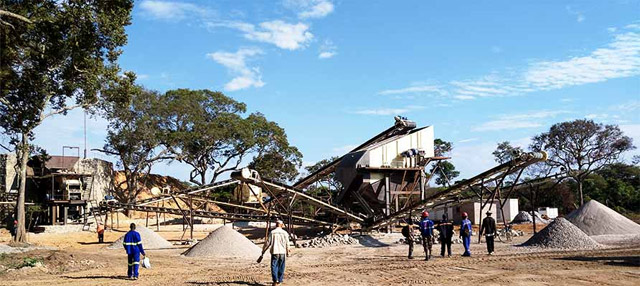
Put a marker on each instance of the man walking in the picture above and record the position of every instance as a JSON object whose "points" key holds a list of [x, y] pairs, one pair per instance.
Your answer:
{"points": [[426, 229], [465, 234], [133, 245], [489, 230], [100, 231], [278, 245], [407, 232], [446, 234]]}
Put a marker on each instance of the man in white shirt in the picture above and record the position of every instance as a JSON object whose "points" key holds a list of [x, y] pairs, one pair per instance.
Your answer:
{"points": [[278, 246]]}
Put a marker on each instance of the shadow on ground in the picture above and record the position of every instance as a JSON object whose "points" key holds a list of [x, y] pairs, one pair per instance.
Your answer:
{"points": [[607, 260], [115, 277], [368, 241]]}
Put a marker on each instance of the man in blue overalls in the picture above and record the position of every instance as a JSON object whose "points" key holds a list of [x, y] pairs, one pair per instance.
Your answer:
{"points": [[426, 229], [465, 234], [133, 245]]}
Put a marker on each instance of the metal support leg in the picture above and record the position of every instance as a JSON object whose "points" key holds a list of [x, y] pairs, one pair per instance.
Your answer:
{"points": [[387, 198]]}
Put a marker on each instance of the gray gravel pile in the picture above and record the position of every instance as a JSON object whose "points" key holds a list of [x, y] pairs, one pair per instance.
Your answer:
{"points": [[150, 240], [329, 240], [225, 242], [525, 217], [595, 218], [562, 234]]}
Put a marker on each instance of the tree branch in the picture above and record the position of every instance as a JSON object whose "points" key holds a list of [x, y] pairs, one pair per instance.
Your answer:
{"points": [[15, 16]]}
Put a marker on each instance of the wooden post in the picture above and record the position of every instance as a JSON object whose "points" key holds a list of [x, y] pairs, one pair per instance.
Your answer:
{"points": [[157, 219], [191, 215], [146, 224], [111, 219], [387, 198], [65, 212], [117, 220]]}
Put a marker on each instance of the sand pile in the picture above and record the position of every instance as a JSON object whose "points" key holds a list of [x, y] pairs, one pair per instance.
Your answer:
{"points": [[562, 234], [150, 240], [595, 218], [225, 242]]}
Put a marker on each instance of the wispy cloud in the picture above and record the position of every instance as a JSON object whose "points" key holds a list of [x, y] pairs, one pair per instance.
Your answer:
{"points": [[468, 140], [282, 34], [618, 59], [628, 106], [171, 11], [310, 8], [519, 121], [343, 149], [389, 111], [421, 89], [245, 76], [327, 50], [578, 14]]}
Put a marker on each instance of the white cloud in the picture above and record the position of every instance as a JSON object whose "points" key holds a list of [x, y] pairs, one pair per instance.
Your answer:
{"points": [[383, 111], [629, 106], [237, 64], [327, 55], [618, 59], [597, 116], [142, 76], [579, 15], [468, 140], [414, 89], [327, 50], [310, 8], [496, 49], [168, 10], [282, 34], [464, 97], [518, 121]]}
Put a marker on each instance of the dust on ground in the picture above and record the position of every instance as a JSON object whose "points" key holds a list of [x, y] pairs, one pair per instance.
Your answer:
{"points": [[341, 265]]}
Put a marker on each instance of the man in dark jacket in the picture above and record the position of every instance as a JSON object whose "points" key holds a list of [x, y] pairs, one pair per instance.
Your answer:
{"points": [[489, 230], [133, 245], [407, 232], [446, 233]]}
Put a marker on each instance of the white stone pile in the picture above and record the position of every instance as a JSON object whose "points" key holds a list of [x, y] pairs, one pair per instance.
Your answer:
{"points": [[329, 240], [562, 234]]}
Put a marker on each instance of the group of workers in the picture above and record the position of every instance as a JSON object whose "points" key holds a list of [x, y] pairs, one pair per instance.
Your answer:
{"points": [[445, 229], [278, 242]]}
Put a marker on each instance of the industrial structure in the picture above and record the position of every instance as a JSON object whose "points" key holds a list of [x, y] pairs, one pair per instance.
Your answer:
{"points": [[383, 181]]}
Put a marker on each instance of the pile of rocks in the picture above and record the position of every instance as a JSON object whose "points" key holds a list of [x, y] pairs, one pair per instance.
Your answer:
{"points": [[329, 240], [525, 217], [595, 218], [150, 240], [562, 234]]}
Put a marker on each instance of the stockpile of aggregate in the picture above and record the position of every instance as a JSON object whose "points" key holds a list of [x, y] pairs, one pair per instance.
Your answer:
{"points": [[562, 234], [525, 217], [329, 240], [150, 240], [595, 218], [225, 242]]}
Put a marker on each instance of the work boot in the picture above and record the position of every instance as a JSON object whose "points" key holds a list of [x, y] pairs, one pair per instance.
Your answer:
{"points": [[410, 257]]}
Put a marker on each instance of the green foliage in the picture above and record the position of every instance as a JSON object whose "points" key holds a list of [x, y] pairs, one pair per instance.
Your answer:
{"points": [[505, 152], [617, 186], [30, 262], [446, 171], [581, 146]]}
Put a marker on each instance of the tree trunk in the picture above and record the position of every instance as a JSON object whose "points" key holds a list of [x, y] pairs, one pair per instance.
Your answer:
{"points": [[21, 231], [580, 190]]}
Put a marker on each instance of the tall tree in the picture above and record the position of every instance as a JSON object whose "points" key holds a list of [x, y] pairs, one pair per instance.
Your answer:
{"points": [[207, 131], [54, 56], [582, 147], [505, 152], [446, 171], [328, 186]]}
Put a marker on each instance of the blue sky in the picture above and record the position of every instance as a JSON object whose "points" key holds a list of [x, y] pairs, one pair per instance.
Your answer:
{"points": [[334, 73]]}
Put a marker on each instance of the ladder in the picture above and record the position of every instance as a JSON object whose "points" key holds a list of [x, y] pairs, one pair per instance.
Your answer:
{"points": [[94, 209]]}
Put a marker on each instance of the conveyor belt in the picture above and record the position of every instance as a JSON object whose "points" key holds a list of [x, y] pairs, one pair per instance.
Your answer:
{"points": [[514, 165]]}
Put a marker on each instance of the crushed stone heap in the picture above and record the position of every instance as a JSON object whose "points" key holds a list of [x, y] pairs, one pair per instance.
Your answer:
{"points": [[525, 217], [150, 240], [225, 242], [329, 240], [595, 218], [562, 234]]}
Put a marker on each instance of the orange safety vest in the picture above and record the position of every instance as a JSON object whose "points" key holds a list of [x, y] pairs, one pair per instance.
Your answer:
{"points": [[100, 229]]}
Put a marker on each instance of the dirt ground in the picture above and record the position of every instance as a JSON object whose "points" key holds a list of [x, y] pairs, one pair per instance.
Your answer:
{"points": [[79, 260]]}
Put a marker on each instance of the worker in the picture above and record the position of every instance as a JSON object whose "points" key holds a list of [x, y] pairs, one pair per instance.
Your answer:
{"points": [[465, 234], [489, 230], [407, 232], [426, 229], [133, 245], [100, 231], [446, 234], [278, 246]]}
